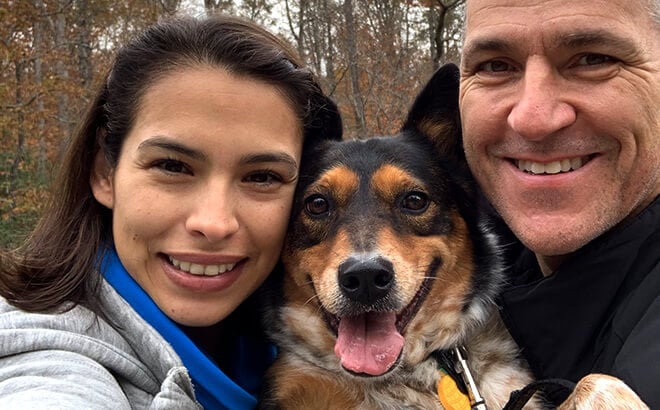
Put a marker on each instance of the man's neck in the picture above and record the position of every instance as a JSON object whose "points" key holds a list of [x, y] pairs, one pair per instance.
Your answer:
{"points": [[549, 264]]}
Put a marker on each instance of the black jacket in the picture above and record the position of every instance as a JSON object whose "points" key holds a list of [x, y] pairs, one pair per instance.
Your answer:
{"points": [[600, 312]]}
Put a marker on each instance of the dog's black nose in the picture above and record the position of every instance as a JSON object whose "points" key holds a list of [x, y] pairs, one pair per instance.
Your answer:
{"points": [[366, 281]]}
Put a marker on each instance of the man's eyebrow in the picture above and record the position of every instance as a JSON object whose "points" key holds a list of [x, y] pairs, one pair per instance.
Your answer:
{"points": [[574, 40], [168, 144], [487, 44], [475, 47], [580, 39]]}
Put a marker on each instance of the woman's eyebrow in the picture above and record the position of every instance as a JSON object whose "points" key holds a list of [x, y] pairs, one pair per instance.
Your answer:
{"points": [[275, 156], [169, 144]]}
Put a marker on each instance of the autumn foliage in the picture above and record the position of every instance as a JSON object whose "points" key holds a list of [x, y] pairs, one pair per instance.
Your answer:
{"points": [[371, 57]]}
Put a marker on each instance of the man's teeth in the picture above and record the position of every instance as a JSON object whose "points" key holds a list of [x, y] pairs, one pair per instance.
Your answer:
{"points": [[554, 167], [202, 270]]}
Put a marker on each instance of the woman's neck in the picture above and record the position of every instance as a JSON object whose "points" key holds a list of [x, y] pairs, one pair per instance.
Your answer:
{"points": [[209, 339]]}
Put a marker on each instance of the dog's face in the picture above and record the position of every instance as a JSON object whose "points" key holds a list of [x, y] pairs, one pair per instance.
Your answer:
{"points": [[381, 256]]}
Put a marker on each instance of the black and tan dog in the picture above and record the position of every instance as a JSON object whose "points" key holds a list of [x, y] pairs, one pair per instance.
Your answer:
{"points": [[389, 266], [390, 276]]}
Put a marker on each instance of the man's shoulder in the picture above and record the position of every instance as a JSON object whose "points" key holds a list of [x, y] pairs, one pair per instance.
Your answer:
{"points": [[638, 326]]}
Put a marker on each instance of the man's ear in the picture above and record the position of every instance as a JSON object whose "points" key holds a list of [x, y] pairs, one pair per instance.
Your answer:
{"points": [[101, 181]]}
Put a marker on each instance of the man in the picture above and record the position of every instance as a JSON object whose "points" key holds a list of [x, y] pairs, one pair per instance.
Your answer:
{"points": [[560, 108]]}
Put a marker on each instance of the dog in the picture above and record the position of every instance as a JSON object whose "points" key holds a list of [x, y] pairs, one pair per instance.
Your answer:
{"points": [[390, 275]]}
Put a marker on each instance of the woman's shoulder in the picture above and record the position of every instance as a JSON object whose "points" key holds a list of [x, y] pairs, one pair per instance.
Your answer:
{"points": [[115, 334], [69, 327], [66, 316], [116, 346], [75, 358]]}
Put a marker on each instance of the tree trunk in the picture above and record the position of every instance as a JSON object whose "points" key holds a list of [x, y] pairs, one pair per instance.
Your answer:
{"points": [[438, 50], [438, 24], [303, 12], [65, 125], [84, 48], [330, 73], [19, 154], [42, 153], [351, 48]]}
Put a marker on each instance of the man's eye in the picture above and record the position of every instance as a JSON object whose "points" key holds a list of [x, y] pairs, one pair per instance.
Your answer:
{"points": [[495, 66], [594, 59]]}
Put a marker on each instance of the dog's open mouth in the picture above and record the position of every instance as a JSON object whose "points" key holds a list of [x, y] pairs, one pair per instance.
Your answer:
{"points": [[371, 343]]}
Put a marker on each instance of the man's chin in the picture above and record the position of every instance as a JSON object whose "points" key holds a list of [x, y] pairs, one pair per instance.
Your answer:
{"points": [[555, 240]]}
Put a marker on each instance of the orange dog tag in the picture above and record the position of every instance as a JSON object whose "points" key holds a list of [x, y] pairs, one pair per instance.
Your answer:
{"points": [[450, 396]]}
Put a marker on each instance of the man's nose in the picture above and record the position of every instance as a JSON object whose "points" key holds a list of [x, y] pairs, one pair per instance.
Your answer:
{"points": [[540, 109]]}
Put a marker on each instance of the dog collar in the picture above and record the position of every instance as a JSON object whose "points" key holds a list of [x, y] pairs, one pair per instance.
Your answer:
{"points": [[457, 389]]}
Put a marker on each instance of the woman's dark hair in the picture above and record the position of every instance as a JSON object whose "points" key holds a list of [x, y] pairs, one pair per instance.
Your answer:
{"points": [[59, 261]]}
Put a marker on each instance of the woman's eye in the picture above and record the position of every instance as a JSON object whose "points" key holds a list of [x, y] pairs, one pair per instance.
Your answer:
{"points": [[316, 205], [415, 202], [172, 166], [264, 177]]}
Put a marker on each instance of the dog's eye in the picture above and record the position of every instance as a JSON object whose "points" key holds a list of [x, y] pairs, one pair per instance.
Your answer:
{"points": [[316, 205], [416, 202]]}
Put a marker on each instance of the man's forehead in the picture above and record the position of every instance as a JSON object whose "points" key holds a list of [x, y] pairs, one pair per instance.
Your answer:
{"points": [[496, 23], [492, 8]]}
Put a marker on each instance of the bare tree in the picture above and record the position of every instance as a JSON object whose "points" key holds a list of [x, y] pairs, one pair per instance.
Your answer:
{"points": [[213, 6], [442, 16], [19, 67], [371, 57], [39, 47], [353, 68]]}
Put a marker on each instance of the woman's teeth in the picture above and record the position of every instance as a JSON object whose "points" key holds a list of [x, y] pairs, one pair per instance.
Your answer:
{"points": [[554, 167], [202, 270]]}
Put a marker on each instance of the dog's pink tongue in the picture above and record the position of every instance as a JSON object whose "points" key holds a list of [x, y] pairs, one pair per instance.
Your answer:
{"points": [[368, 343]]}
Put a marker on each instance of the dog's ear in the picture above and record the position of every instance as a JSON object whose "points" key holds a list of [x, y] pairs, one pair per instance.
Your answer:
{"points": [[324, 126], [326, 123], [435, 115]]}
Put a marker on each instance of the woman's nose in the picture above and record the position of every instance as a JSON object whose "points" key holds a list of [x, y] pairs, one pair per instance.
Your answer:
{"points": [[214, 215], [539, 109]]}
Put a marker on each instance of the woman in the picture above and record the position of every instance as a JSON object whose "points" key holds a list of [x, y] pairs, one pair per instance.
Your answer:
{"points": [[168, 212]]}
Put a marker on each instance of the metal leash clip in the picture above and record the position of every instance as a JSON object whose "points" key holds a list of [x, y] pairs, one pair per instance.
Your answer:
{"points": [[476, 401]]}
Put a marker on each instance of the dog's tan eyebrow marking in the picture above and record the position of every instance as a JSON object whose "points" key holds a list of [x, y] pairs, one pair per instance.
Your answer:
{"points": [[388, 181], [341, 182]]}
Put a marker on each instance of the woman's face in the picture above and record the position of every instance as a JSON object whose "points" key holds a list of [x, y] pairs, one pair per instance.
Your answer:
{"points": [[202, 191]]}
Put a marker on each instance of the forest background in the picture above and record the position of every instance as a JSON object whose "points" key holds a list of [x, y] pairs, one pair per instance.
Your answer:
{"points": [[372, 58]]}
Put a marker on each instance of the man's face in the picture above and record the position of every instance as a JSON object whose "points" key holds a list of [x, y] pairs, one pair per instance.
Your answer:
{"points": [[559, 103]]}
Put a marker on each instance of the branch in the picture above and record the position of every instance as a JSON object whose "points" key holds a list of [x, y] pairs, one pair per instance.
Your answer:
{"points": [[21, 105]]}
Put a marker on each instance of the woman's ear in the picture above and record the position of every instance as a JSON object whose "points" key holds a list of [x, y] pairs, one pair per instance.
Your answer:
{"points": [[101, 181]]}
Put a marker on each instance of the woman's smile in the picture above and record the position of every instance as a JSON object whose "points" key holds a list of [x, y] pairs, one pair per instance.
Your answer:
{"points": [[186, 275], [201, 269]]}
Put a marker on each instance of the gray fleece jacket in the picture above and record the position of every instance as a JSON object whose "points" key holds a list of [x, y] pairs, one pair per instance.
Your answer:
{"points": [[76, 360]]}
